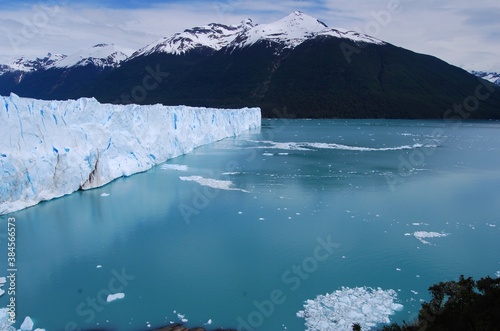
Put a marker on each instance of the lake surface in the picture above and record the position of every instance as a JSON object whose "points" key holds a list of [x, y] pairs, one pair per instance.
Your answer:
{"points": [[302, 208]]}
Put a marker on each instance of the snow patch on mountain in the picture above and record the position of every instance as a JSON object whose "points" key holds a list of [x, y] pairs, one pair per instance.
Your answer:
{"points": [[493, 77], [352, 35], [53, 148], [100, 55]]}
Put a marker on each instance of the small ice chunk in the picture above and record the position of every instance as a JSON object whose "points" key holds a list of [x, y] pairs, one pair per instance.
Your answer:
{"points": [[398, 269], [397, 307], [182, 318], [116, 296], [176, 167], [27, 324], [105, 195], [3, 280], [98, 266], [208, 322]]}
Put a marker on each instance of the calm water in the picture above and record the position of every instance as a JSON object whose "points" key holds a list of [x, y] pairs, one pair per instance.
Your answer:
{"points": [[206, 253]]}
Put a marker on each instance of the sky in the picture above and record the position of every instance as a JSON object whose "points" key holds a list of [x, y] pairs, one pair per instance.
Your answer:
{"points": [[461, 32]]}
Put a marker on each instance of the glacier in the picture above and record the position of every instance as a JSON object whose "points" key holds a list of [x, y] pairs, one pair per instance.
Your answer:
{"points": [[53, 148]]}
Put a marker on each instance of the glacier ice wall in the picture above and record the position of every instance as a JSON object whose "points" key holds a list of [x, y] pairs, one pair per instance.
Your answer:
{"points": [[52, 148]]}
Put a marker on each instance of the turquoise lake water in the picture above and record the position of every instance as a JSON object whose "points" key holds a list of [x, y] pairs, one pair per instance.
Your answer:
{"points": [[375, 191]]}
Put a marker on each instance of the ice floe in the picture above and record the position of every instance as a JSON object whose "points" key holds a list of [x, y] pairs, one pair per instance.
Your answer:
{"points": [[423, 235], [419, 224], [213, 183], [3, 280], [27, 324], [305, 146], [116, 296], [341, 309], [182, 317], [7, 325], [177, 167]]}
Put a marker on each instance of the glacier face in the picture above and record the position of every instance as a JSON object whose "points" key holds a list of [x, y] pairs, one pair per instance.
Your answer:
{"points": [[52, 148]]}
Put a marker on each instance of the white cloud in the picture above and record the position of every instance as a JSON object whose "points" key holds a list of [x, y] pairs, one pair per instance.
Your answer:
{"points": [[460, 32]]}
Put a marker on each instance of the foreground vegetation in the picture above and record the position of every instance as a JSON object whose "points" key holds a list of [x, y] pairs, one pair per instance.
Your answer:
{"points": [[458, 305]]}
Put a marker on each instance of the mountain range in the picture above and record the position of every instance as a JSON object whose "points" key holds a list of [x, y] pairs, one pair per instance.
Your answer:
{"points": [[294, 67]]}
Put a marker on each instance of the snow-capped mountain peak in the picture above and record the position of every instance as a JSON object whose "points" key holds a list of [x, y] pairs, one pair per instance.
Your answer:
{"points": [[290, 31], [214, 36], [287, 32], [100, 55], [26, 65]]}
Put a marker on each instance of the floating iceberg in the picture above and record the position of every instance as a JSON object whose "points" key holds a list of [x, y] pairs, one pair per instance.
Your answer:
{"points": [[114, 297], [52, 148], [27, 324], [341, 309]]}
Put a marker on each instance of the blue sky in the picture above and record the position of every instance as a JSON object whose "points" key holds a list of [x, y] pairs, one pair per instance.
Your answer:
{"points": [[461, 32]]}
